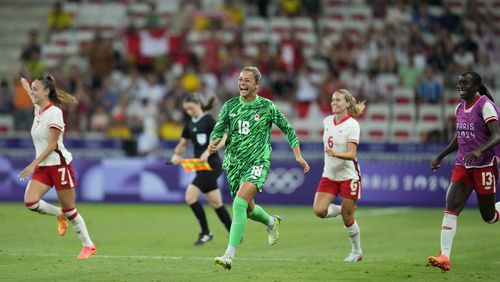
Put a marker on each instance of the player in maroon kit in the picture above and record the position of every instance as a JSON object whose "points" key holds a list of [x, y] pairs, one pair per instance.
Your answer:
{"points": [[476, 163]]}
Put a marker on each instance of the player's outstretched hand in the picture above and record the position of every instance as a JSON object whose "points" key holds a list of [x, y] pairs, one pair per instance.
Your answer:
{"points": [[435, 163], [304, 164]]}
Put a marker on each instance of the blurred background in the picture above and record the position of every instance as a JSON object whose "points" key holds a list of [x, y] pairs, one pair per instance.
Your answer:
{"points": [[129, 64]]}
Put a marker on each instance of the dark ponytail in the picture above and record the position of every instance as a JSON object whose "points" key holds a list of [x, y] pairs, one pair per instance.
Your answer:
{"points": [[483, 91], [56, 96], [195, 98]]}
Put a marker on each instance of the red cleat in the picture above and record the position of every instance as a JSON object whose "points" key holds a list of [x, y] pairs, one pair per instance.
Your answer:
{"points": [[62, 225], [87, 252], [441, 261]]}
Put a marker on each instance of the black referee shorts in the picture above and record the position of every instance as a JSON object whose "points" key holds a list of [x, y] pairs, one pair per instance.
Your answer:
{"points": [[206, 180]]}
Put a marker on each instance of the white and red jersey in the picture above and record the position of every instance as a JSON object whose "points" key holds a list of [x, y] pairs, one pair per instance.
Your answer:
{"points": [[338, 134], [49, 117]]}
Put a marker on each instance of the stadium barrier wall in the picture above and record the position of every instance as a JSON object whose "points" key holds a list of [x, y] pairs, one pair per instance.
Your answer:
{"points": [[385, 182]]}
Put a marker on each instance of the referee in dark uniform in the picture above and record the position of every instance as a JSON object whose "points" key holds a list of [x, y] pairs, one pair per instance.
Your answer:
{"points": [[197, 130]]}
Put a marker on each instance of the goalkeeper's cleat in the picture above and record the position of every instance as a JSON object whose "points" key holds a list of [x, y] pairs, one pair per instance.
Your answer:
{"points": [[440, 261], [225, 262], [273, 233], [203, 238], [62, 225], [354, 257], [87, 252]]}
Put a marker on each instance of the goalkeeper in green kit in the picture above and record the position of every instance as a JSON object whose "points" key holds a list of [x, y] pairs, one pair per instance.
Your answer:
{"points": [[248, 121]]}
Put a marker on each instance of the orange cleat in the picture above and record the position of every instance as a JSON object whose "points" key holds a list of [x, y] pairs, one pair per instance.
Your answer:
{"points": [[62, 225], [87, 252], [441, 261]]}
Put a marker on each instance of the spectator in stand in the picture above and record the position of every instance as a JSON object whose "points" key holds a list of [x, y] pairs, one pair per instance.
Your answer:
{"points": [[469, 42], [34, 66], [235, 13], [463, 60], [152, 90], [430, 88], [400, 13], [374, 89], [23, 107], [58, 19], [307, 90], [282, 85], [31, 46], [6, 97], [449, 20], [289, 8], [183, 17], [99, 120], [101, 56], [153, 18], [409, 75], [290, 50], [438, 59], [331, 81], [131, 83], [424, 20]]}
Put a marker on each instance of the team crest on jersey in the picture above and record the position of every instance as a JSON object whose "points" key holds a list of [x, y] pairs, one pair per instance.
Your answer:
{"points": [[257, 117]]}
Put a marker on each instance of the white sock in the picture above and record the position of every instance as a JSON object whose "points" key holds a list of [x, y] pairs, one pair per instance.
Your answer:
{"points": [[333, 211], [79, 226], [354, 236], [230, 251], [448, 230], [43, 207]]}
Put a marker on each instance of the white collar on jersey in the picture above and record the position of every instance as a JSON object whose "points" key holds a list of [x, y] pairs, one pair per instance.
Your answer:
{"points": [[195, 120]]}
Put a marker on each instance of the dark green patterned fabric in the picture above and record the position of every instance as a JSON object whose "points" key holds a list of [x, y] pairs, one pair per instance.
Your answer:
{"points": [[248, 146]]}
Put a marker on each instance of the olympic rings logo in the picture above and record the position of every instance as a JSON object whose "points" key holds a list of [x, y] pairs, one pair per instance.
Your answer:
{"points": [[284, 181]]}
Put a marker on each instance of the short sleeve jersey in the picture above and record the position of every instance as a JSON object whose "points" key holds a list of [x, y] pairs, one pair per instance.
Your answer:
{"points": [[50, 117], [198, 131], [338, 134], [249, 130]]}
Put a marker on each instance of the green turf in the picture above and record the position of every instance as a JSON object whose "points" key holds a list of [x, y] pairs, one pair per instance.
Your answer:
{"points": [[154, 243]]}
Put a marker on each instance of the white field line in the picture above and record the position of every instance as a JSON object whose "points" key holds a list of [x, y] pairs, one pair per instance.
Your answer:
{"points": [[160, 257]]}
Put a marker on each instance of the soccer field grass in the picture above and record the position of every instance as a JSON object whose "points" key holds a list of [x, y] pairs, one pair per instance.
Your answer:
{"points": [[154, 243]]}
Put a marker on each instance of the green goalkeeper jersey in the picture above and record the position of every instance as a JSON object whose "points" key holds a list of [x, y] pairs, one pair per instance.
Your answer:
{"points": [[248, 126]]}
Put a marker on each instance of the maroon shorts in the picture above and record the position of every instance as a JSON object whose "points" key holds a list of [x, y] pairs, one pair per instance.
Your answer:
{"points": [[59, 176], [483, 180], [348, 189]]}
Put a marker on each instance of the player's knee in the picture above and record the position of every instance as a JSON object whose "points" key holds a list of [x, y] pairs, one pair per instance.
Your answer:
{"points": [[320, 212], [190, 199], [215, 204], [491, 219], [32, 206]]}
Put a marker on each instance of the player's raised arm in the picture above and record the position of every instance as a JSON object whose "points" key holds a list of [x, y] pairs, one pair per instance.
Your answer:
{"points": [[27, 88]]}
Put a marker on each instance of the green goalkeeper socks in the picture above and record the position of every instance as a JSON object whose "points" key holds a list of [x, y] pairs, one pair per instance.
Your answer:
{"points": [[260, 215], [239, 223]]}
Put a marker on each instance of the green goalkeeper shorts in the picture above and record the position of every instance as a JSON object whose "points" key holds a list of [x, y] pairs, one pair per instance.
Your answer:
{"points": [[255, 173]]}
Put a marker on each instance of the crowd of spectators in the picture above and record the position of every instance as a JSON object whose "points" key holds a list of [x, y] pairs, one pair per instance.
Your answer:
{"points": [[122, 95]]}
